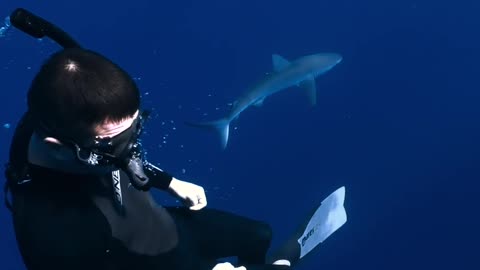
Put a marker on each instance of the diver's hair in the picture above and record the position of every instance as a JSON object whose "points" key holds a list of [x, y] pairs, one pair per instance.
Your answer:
{"points": [[76, 89]]}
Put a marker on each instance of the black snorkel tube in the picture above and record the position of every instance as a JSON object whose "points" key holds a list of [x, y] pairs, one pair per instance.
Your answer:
{"points": [[143, 175], [38, 28]]}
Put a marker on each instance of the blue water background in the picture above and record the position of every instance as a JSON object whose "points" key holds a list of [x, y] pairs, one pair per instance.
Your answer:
{"points": [[396, 122]]}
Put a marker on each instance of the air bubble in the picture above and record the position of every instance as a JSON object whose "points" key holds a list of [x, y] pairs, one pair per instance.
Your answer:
{"points": [[3, 29]]}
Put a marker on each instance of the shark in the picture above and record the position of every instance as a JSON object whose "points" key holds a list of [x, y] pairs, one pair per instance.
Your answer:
{"points": [[300, 72]]}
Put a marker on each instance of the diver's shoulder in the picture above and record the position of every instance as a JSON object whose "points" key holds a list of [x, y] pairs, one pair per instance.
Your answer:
{"points": [[47, 190], [47, 202]]}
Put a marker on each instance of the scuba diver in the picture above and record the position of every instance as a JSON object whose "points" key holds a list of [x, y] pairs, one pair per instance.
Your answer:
{"points": [[80, 183]]}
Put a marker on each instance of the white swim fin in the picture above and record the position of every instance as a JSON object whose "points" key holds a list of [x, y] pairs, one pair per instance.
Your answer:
{"points": [[325, 220]]}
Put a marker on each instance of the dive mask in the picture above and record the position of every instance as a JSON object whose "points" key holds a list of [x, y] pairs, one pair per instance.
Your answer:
{"points": [[123, 151]]}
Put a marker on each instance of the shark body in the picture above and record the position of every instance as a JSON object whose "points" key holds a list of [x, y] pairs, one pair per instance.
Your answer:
{"points": [[301, 72]]}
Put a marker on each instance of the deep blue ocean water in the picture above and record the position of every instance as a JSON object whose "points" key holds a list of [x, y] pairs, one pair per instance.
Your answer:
{"points": [[396, 122]]}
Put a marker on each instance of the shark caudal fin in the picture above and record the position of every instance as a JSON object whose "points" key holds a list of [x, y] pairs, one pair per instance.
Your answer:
{"points": [[221, 126]]}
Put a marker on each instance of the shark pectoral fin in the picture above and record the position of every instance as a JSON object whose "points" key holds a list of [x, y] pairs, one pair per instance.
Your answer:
{"points": [[311, 90], [223, 129], [259, 102], [279, 62]]}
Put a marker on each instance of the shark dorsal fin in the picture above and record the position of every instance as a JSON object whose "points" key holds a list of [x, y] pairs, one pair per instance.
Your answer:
{"points": [[279, 62]]}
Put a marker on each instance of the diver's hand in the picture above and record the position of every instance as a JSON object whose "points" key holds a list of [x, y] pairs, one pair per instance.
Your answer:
{"points": [[228, 266], [192, 195]]}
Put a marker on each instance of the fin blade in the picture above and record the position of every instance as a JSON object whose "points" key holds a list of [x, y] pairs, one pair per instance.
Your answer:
{"points": [[327, 219], [319, 225], [311, 90], [279, 62]]}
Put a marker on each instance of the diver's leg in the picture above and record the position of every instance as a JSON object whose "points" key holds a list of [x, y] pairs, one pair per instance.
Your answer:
{"points": [[220, 234]]}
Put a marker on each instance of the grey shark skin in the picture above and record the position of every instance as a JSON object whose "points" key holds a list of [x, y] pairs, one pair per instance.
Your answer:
{"points": [[301, 72]]}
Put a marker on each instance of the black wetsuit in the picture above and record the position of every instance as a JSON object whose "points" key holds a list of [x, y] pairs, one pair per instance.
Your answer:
{"points": [[66, 222]]}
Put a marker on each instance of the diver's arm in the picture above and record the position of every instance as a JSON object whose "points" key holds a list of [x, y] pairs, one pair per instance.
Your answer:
{"points": [[192, 195]]}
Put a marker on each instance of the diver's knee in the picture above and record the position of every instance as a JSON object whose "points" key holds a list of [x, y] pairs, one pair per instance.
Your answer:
{"points": [[264, 233]]}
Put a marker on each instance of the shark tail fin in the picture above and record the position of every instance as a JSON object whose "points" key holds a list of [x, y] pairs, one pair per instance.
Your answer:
{"points": [[222, 126]]}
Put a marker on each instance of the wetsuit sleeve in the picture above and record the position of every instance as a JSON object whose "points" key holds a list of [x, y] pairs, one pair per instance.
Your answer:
{"points": [[162, 181], [158, 178]]}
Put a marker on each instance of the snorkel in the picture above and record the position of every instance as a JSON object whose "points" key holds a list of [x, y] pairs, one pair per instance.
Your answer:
{"points": [[38, 28], [126, 154]]}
